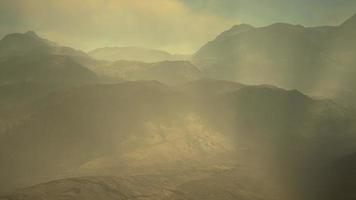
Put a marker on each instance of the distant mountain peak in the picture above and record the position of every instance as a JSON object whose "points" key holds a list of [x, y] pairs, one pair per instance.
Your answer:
{"points": [[26, 39], [236, 29], [242, 26], [31, 33], [26, 35]]}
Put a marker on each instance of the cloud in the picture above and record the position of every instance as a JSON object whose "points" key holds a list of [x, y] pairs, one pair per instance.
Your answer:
{"points": [[264, 12], [163, 24]]}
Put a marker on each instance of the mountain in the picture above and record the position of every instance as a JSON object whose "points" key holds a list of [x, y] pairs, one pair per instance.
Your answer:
{"points": [[134, 54], [19, 44], [171, 72], [28, 78], [27, 57], [43, 68], [311, 59], [30, 43], [30, 69], [23, 46]]}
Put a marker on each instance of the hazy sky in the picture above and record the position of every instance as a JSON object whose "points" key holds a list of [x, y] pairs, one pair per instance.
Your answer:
{"points": [[179, 26]]}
